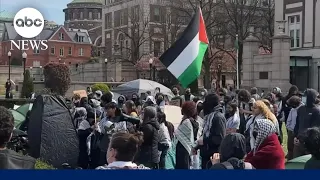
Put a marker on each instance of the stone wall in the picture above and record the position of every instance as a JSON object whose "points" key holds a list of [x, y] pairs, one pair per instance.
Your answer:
{"points": [[75, 85], [275, 67]]}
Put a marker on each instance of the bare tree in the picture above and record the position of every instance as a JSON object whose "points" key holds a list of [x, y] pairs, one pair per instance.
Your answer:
{"points": [[265, 29], [132, 38], [212, 22], [239, 16]]}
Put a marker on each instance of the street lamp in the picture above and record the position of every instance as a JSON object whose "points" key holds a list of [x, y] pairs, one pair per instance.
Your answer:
{"points": [[24, 57], [9, 57], [150, 66]]}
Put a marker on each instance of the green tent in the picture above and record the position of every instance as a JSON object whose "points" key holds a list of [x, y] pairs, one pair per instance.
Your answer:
{"points": [[18, 118], [298, 163], [24, 109]]}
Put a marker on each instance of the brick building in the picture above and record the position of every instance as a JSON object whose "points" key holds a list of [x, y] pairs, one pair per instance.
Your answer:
{"points": [[71, 46], [85, 14]]}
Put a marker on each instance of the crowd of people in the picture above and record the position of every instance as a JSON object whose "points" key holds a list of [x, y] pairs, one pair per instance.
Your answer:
{"points": [[226, 129]]}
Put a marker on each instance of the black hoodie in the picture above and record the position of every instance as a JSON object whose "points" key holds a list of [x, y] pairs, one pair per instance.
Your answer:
{"points": [[309, 114], [149, 154]]}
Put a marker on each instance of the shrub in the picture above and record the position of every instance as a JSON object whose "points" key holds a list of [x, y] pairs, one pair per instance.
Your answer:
{"points": [[42, 165], [57, 78], [102, 87], [27, 85]]}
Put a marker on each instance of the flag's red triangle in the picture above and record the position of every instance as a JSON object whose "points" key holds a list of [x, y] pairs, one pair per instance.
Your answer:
{"points": [[202, 30]]}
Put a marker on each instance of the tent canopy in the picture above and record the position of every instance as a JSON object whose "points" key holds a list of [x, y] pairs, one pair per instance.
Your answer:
{"points": [[18, 117], [142, 86], [298, 163]]}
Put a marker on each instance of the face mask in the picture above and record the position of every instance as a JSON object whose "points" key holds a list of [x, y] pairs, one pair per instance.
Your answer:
{"points": [[304, 99], [134, 99], [202, 93]]}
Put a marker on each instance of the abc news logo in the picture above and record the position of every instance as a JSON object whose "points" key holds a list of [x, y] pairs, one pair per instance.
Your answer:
{"points": [[29, 23]]}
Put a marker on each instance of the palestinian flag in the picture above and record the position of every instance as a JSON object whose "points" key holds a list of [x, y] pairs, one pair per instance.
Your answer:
{"points": [[184, 58]]}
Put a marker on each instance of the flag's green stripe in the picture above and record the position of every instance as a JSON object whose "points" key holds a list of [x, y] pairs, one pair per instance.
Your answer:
{"points": [[194, 69]]}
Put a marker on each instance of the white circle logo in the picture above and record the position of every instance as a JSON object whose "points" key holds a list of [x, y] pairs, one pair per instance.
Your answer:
{"points": [[28, 22]]}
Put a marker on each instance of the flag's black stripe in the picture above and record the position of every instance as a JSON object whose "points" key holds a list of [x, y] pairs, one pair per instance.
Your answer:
{"points": [[188, 35]]}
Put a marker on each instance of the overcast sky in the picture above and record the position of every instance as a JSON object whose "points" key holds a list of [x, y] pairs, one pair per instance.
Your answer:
{"points": [[51, 11]]}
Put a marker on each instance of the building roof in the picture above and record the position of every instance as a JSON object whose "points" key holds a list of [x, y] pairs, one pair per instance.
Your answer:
{"points": [[74, 33], [48, 33], [6, 16], [87, 1]]}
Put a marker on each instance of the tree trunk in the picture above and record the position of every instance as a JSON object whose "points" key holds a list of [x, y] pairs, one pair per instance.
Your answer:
{"points": [[240, 60], [194, 87], [207, 73]]}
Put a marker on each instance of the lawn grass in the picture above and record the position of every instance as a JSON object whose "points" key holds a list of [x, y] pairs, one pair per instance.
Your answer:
{"points": [[285, 138]]}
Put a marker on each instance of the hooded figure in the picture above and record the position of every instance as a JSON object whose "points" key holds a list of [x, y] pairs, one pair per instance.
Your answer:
{"points": [[214, 128], [308, 116], [149, 155], [267, 152], [233, 147]]}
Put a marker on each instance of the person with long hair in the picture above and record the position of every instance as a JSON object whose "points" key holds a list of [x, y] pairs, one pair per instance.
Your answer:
{"points": [[164, 140], [312, 144], [233, 118], [121, 151], [186, 135], [266, 151], [245, 104], [260, 111]]}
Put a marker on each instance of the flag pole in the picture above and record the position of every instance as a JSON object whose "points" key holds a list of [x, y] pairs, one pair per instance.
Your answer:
{"points": [[237, 61]]}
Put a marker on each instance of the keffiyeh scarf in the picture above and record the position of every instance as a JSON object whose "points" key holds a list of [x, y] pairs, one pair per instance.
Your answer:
{"points": [[264, 129]]}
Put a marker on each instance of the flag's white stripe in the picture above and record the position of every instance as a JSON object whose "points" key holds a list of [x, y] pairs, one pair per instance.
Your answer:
{"points": [[186, 57]]}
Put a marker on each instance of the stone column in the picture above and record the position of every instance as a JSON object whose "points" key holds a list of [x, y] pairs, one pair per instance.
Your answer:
{"points": [[280, 67], [250, 48]]}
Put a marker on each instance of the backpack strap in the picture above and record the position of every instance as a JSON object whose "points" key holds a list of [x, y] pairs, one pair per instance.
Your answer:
{"points": [[227, 165]]}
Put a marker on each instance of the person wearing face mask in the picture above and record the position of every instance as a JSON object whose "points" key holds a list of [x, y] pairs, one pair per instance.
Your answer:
{"points": [[188, 96], [136, 99], [203, 94], [308, 116], [121, 151], [160, 100]]}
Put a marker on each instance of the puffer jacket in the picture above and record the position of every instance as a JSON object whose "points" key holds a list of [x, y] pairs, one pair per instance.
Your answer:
{"points": [[149, 155]]}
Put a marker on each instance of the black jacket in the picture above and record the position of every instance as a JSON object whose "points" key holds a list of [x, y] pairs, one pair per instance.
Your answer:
{"points": [[308, 115], [12, 160], [217, 133], [149, 153]]}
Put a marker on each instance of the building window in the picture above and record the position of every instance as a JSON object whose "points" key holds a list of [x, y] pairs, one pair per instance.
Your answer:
{"points": [[61, 36], [81, 52], [99, 15], [108, 21], [80, 38], [53, 50], [294, 31], [61, 51], [121, 40], [156, 14], [156, 48], [263, 75], [70, 51], [36, 51], [74, 16], [292, 38], [90, 15], [136, 13], [81, 15], [298, 37], [121, 18]]}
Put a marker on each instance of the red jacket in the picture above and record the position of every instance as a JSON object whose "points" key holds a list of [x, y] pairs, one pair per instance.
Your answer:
{"points": [[270, 155]]}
